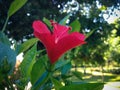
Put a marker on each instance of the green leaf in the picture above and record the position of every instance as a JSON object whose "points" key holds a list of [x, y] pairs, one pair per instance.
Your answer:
{"points": [[39, 75], [77, 74], [63, 21], [37, 70], [66, 76], [4, 39], [75, 26], [103, 7], [5, 68], [41, 81], [90, 33], [15, 6], [47, 22], [61, 63], [57, 84], [66, 68], [84, 86], [28, 61], [26, 45], [8, 53]]}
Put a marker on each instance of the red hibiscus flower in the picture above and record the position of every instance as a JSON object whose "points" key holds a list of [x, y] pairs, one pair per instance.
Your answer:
{"points": [[59, 40]]}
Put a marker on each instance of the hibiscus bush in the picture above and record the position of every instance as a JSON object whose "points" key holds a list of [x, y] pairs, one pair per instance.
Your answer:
{"points": [[42, 69]]}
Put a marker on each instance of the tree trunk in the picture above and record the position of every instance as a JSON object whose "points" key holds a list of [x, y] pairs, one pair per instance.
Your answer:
{"points": [[102, 73]]}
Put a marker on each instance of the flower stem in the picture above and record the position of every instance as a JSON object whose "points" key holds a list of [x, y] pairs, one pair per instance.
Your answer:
{"points": [[3, 29], [40, 82]]}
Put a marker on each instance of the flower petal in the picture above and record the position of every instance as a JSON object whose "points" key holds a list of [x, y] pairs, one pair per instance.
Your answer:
{"points": [[40, 27], [68, 42], [58, 42], [59, 31], [43, 33]]}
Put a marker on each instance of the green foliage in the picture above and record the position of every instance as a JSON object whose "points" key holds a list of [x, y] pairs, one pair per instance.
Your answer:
{"points": [[4, 39], [26, 45], [47, 22], [5, 68], [57, 84], [75, 26], [41, 81], [63, 21], [90, 33], [38, 9], [77, 74], [103, 8], [9, 54], [15, 6], [84, 86], [37, 70], [7, 63], [113, 43], [61, 63], [66, 68], [28, 61]]}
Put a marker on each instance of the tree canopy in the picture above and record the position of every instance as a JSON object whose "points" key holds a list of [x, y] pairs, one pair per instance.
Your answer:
{"points": [[88, 12], [88, 15]]}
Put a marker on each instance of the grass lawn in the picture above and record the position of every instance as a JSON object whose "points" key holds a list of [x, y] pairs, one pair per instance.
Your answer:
{"points": [[112, 80]]}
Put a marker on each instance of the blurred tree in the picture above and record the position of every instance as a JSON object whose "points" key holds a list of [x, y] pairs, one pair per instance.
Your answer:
{"points": [[113, 52], [90, 14]]}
